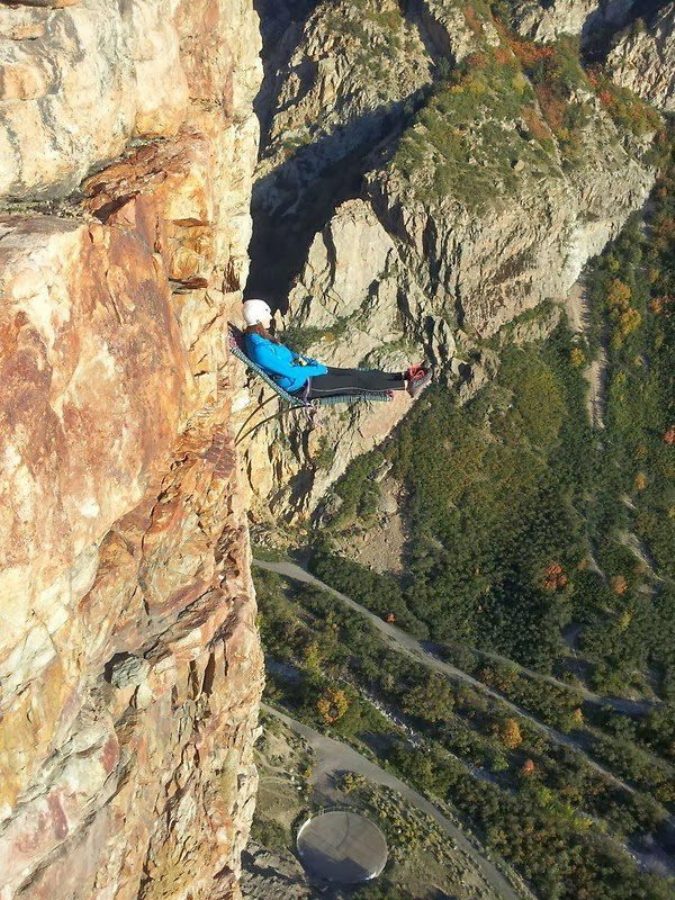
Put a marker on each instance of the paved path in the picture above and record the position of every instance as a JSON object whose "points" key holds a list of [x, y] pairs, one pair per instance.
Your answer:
{"points": [[334, 757], [620, 704], [402, 641]]}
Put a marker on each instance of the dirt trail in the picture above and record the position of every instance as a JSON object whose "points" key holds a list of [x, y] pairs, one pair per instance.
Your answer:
{"points": [[620, 704], [578, 314]]}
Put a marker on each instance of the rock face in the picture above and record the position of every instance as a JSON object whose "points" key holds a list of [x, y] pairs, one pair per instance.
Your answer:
{"points": [[547, 21], [481, 195], [452, 30], [130, 666], [323, 81], [480, 272], [102, 79], [643, 59], [339, 77], [274, 876]]}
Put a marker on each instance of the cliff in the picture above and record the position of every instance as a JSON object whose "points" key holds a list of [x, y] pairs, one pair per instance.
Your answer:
{"points": [[423, 198], [643, 58], [547, 21], [130, 666]]}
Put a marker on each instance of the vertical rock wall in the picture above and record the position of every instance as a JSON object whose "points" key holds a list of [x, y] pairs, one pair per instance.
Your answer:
{"points": [[130, 665]]}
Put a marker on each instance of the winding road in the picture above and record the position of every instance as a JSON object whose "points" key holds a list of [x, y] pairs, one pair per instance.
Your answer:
{"points": [[334, 757], [411, 647]]}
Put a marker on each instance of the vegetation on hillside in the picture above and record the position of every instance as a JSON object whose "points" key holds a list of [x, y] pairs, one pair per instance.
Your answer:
{"points": [[492, 490], [522, 519], [514, 111], [321, 658], [631, 516]]}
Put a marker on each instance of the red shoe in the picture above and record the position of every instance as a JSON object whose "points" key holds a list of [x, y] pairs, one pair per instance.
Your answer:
{"points": [[418, 382], [412, 372]]}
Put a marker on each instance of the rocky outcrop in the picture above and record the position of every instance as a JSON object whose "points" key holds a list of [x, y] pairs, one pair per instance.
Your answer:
{"points": [[548, 21], [480, 271], [339, 78], [348, 293], [130, 666], [379, 543], [479, 201], [273, 875], [643, 59], [454, 30], [331, 83]]}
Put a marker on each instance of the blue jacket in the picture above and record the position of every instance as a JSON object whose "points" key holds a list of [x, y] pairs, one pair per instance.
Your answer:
{"points": [[290, 370]]}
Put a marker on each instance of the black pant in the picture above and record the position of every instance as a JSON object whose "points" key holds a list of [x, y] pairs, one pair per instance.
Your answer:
{"points": [[353, 381]]}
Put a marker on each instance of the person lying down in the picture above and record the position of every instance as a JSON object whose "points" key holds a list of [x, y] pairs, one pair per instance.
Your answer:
{"points": [[306, 377]]}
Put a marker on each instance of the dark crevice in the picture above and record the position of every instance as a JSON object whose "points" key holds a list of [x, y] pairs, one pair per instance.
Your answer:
{"points": [[113, 662], [298, 198], [209, 675]]}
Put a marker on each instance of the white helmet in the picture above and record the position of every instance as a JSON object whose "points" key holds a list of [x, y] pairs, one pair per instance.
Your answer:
{"points": [[256, 311]]}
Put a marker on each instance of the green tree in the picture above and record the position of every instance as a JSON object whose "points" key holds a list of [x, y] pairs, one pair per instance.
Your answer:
{"points": [[431, 699]]}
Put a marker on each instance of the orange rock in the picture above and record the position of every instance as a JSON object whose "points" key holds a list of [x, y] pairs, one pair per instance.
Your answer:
{"points": [[176, 174], [88, 341], [124, 538]]}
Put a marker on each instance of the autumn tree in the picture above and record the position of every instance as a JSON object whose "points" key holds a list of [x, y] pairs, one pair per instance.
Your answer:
{"points": [[618, 584], [510, 734], [627, 322], [332, 705], [528, 768], [555, 578], [625, 619], [640, 482], [626, 318], [618, 295]]}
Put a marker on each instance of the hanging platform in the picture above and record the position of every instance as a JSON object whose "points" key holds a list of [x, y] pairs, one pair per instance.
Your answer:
{"points": [[236, 346]]}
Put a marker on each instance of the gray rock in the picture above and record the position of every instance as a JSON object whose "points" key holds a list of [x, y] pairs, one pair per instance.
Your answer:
{"points": [[643, 59], [129, 671]]}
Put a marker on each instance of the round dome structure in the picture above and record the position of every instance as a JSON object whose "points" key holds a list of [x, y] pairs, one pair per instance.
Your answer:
{"points": [[342, 846]]}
